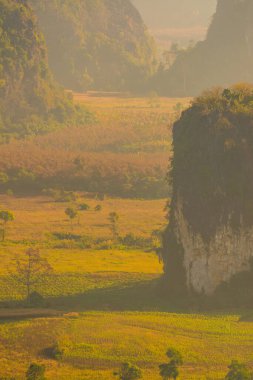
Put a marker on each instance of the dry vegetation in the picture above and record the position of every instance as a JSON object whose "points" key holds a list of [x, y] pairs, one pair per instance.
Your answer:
{"points": [[124, 153]]}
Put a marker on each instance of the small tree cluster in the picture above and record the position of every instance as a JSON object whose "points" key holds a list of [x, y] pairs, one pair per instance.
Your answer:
{"points": [[129, 372], [170, 370], [238, 371]]}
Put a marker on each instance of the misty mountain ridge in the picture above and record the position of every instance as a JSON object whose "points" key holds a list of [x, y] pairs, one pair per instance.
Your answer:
{"points": [[102, 44], [223, 58]]}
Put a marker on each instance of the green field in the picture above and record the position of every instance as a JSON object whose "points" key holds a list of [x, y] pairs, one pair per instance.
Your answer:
{"points": [[96, 343]]}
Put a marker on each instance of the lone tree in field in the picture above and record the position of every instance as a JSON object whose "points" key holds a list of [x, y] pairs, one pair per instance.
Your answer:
{"points": [[36, 372], [170, 370], [129, 372], [71, 214], [113, 219], [5, 217], [238, 371], [31, 269]]}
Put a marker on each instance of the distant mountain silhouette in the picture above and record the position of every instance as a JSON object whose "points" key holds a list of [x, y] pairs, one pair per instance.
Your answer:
{"points": [[224, 58]]}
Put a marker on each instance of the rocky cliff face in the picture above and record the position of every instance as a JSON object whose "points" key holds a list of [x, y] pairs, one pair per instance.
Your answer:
{"points": [[208, 265], [209, 240]]}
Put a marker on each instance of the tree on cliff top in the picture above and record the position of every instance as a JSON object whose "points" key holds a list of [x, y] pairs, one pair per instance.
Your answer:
{"points": [[213, 158]]}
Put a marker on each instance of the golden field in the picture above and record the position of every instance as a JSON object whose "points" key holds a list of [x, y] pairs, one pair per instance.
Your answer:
{"points": [[96, 343], [102, 300], [103, 306]]}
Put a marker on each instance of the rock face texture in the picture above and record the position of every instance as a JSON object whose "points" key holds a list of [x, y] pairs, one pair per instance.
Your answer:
{"points": [[209, 240], [209, 265]]}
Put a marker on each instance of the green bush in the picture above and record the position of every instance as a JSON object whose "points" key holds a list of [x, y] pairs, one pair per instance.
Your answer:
{"points": [[35, 372], [238, 371], [129, 372], [84, 207]]}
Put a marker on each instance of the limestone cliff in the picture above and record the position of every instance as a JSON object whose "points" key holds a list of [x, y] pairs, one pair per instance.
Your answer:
{"points": [[210, 236]]}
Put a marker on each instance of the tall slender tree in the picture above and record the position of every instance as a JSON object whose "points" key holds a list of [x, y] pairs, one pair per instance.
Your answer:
{"points": [[5, 217]]}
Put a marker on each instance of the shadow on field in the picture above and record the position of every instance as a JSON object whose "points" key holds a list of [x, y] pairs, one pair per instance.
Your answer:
{"points": [[140, 296]]}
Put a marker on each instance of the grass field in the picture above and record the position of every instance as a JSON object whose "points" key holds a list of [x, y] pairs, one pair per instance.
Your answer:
{"points": [[94, 344], [77, 269], [102, 301], [103, 307]]}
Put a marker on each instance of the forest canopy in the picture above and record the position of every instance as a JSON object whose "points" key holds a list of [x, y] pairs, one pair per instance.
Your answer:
{"points": [[30, 100], [103, 44]]}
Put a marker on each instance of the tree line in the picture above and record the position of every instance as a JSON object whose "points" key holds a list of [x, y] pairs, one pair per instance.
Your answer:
{"points": [[167, 371]]}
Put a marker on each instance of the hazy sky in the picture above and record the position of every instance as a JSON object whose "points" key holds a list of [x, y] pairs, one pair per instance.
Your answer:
{"points": [[176, 13]]}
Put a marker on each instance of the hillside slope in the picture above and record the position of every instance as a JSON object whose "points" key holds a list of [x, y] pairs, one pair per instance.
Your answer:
{"points": [[99, 44], [30, 101], [224, 58]]}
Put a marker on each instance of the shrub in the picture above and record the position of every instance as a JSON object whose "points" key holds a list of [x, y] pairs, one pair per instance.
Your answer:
{"points": [[66, 236], [60, 195], [83, 207], [130, 240], [238, 371], [35, 372], [129, 372]]}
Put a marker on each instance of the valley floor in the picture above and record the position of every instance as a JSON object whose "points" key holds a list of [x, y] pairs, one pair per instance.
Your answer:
{"points": [[94, 344], [102, 303], [103, 307]]}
